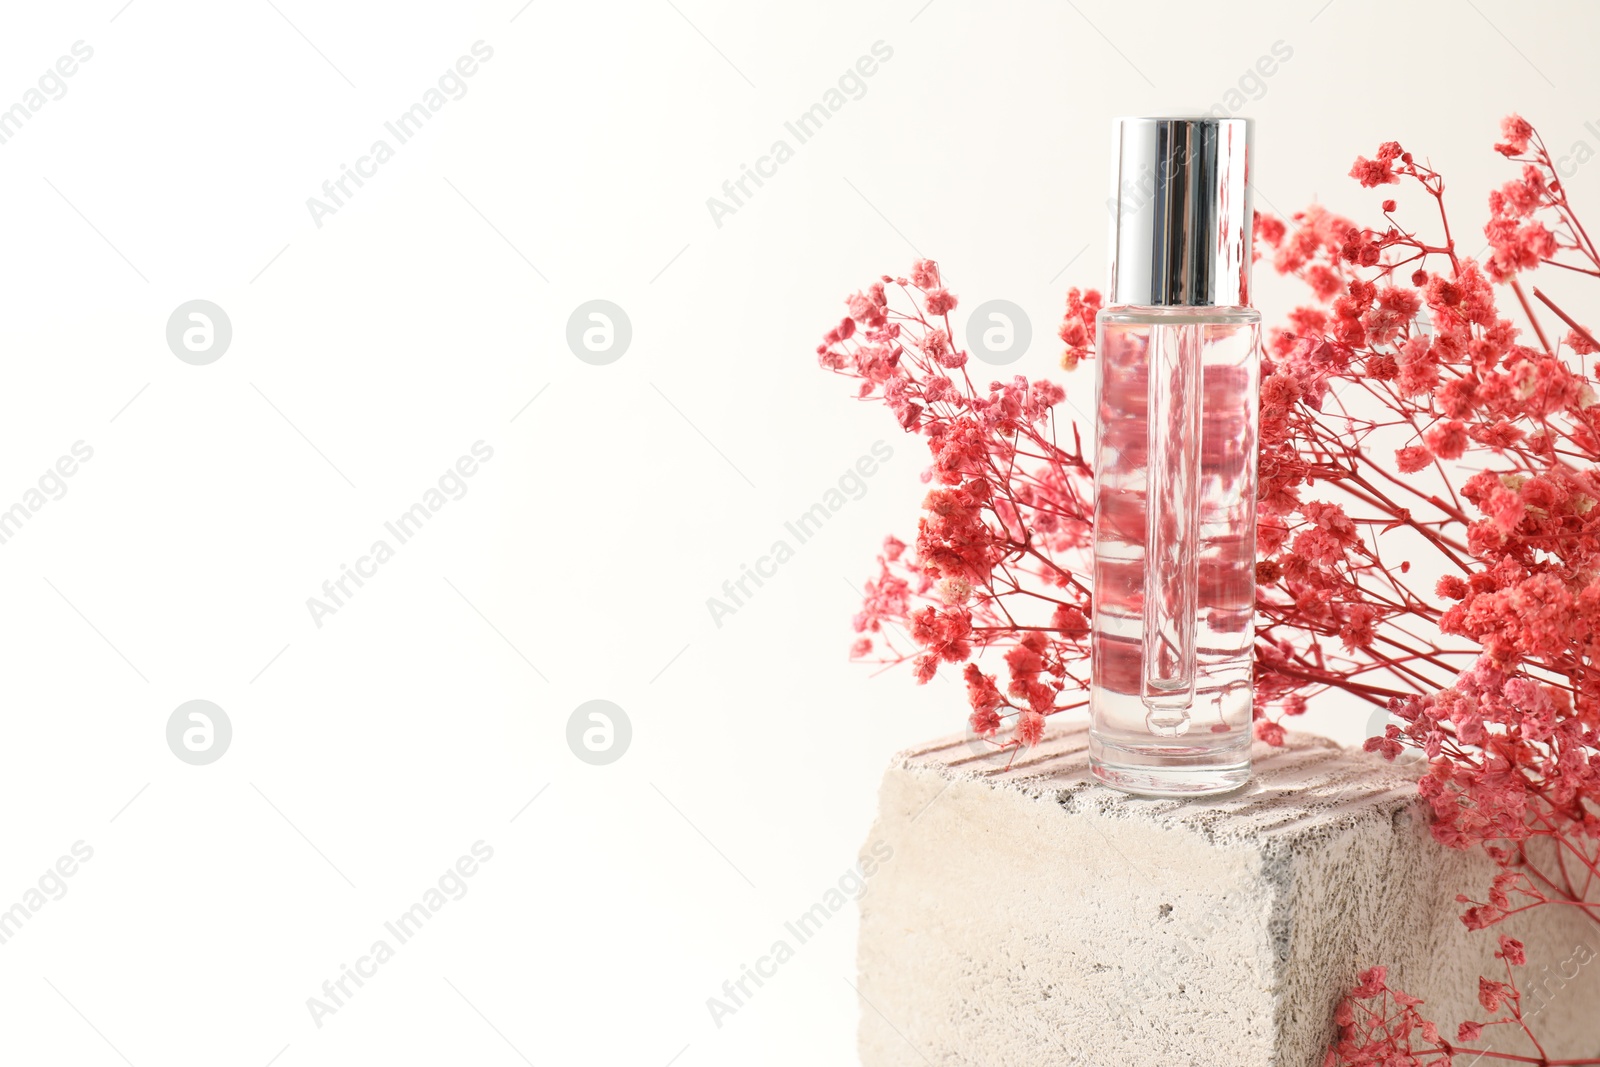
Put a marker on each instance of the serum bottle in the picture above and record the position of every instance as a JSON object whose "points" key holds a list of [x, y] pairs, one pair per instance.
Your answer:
{"points": [[1175, 464]]}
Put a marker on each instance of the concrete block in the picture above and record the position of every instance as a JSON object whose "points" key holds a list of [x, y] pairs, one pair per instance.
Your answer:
{"points": [[1031, 916]]}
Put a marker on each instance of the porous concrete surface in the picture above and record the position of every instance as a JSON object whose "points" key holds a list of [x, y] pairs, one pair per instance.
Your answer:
{"points": [[1033, 917]]}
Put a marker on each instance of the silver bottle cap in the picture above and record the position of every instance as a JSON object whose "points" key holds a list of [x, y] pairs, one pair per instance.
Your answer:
{"points": [[1180, 212]]}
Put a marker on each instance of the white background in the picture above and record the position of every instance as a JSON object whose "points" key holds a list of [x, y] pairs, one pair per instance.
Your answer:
{"points": [[372, 351]]}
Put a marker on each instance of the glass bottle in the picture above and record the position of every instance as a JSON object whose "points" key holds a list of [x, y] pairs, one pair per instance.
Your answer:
{"points": [[1175, 465]]}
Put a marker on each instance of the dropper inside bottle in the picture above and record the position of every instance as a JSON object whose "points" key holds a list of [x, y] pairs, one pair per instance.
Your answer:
{"points": [[1171, 562]]}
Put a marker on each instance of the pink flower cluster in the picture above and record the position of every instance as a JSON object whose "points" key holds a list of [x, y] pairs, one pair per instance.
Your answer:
{"points": [[1491, 671], [1380, 1026], [1008, 511]]}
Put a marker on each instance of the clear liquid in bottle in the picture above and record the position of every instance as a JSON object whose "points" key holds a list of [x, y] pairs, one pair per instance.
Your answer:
{"points": [[1174, 558]]}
